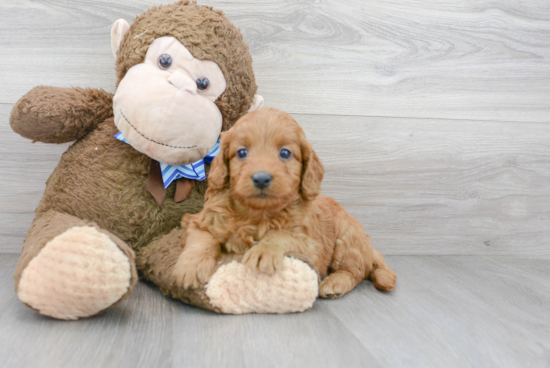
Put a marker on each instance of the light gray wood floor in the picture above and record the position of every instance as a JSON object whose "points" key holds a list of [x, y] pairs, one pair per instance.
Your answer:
{"points": [[432, 117], [447, 311], [433, 121]]}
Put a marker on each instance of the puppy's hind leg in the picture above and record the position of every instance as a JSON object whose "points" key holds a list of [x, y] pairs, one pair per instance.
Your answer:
{"points": [[348, 271], [382, 276]]}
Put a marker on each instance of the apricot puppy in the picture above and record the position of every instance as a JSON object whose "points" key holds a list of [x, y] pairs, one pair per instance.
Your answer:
{"points": [[263, 200]]}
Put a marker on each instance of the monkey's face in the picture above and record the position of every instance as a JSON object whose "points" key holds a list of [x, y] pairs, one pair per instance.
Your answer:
{"points": [[165, 106]]}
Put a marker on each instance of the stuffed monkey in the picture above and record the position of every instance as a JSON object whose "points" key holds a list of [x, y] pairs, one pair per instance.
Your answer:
{"points": [[113, 205]]}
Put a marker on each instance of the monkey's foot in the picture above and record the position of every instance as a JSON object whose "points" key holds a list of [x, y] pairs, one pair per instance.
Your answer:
{"points": [[236, 289], [79, 273]]}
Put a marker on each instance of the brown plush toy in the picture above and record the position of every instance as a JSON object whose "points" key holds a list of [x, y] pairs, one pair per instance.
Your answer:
{"points": [[184, 75]]}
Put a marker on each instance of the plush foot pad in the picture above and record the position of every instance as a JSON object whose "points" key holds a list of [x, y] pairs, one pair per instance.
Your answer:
{"points": [[77, 274], [236, 289]]}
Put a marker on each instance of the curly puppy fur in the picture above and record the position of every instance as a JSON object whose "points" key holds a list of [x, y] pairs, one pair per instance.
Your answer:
{"points": [[286, 216]]}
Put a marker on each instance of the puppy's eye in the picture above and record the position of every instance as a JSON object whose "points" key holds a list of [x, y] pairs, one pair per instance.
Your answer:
{"points": [[165, 61], [202, 84], [242, 153], [285, 154]]}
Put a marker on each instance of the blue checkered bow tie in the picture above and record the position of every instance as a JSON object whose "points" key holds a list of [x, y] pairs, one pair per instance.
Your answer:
{"points": [[194, 170]]}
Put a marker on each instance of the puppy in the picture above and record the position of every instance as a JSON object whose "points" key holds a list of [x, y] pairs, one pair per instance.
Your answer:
{"points": [[263, 200]]}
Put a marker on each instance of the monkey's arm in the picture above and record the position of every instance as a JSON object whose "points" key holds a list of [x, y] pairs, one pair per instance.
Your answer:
{"points": [[233, 288], [59, 115]]}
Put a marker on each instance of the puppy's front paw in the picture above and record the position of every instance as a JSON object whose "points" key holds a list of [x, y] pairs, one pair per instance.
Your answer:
{"points": [[264, 259], [193, 271]]}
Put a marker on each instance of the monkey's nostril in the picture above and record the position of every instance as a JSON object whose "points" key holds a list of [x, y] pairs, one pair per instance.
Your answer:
{"points": [[183, 82], [261, 179]]}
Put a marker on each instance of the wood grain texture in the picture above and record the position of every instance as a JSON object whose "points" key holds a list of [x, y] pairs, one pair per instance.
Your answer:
{"points": [[447, 311], [455, 312], [475, 59], [417, 186], [432, 119], [439, 186]]}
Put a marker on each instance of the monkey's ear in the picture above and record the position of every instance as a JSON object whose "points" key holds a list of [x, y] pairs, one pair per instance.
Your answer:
{"points": [[118, 31], [257, 103]]}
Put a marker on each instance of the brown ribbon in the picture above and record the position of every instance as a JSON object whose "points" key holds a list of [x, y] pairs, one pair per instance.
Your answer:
{"points": [[155, 186]]}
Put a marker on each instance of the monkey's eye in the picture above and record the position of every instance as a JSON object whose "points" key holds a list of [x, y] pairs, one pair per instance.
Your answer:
{"points": [[202, 83], [242, 153], [165, 61], [285, 154]]}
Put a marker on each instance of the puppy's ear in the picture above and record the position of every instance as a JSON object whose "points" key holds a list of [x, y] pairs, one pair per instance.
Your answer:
{"points": [[312, 172], [219, 169]]}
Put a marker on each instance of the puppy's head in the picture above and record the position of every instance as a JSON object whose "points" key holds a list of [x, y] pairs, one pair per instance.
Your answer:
{"points": [[266, 162]]}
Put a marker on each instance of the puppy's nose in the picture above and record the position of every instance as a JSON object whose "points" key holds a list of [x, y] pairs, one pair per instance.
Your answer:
{"points": [[261, 179]]}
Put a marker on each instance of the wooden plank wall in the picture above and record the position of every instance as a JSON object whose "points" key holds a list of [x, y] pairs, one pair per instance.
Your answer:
{"points": [[432, 117]]}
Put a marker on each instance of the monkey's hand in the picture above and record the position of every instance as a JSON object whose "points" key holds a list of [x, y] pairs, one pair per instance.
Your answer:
{"points": [[59, 115]]}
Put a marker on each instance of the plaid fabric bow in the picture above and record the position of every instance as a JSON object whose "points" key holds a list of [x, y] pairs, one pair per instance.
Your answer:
{"points": [[170, 173], [194, 170]]}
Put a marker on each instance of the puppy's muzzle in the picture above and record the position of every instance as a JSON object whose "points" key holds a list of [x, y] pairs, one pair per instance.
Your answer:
{"points": [[261, 179]]}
